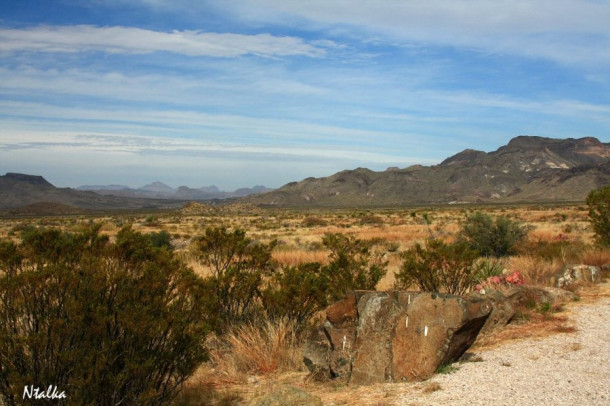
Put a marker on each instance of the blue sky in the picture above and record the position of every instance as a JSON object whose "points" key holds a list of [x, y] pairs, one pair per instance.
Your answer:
{"points": [[242, 92]]}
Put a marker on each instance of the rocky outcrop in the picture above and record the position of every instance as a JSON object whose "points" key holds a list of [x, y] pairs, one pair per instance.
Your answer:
{"points": [[373, 337], [578, 273]]}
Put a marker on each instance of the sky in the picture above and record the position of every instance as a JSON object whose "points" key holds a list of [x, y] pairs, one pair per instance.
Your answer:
{"points": [[237, 93]]}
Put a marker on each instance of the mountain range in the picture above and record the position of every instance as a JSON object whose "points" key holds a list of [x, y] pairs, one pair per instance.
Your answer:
{"points": [[527, 169], [159, 190], [30, 194]]}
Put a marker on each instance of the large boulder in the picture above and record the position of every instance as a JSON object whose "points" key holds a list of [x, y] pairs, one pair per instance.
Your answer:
{"points": [[374, 337], [502, 311]]}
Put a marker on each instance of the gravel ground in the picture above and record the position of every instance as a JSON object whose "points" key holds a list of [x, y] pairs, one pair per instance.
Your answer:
{"points": [[563, 369]]}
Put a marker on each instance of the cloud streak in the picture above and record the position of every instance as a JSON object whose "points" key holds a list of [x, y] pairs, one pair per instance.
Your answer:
{"points": [[131, 40], [565, 31]]}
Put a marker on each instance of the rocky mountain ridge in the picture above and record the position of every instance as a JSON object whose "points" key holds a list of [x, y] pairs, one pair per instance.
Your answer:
{"points": [[527, 169]]}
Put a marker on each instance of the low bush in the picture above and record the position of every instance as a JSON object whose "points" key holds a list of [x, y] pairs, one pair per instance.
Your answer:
{"points": [[439, 267], [107, 323], [161, 239], [598, 201], [295, 293], [313, 221], [239, 267], [354, 264], [492, 237]]}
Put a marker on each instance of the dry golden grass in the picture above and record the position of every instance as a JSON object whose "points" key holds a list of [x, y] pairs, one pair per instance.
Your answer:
{"points": [[536, 271], [254, 350], [595, 256], [295, 257], [547, 234]]}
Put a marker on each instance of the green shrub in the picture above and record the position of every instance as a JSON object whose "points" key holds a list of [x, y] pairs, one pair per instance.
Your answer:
{"points": [[296, 293], [599, 214], [313, 221], [492, 237], [238, 266], [354, 264], [108, 324], [438, 267], [161, 239]]}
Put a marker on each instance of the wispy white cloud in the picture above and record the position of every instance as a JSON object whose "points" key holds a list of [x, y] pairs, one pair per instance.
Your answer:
{"points": [[566, 31], [130, 40]]}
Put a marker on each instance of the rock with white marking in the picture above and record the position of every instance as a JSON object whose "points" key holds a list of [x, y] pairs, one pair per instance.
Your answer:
{"points": [[396, 336]]}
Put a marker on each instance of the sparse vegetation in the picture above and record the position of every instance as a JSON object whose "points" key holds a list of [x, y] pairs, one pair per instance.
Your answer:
{"points": [[492, 237], [439, 267], [447, 369], [112, 323], [354, 264], [295, 293], [239, 266], [599, 213], [283, 267]]}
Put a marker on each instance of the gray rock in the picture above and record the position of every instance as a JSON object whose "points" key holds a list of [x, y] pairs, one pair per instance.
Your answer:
{"points": [[523, 295], [579, 273]]}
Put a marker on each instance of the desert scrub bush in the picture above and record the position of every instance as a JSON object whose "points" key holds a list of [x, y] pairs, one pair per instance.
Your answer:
{"points": [[295, 293], [239, 267], [492, 237], [313, 221], [354, 264], [438, 267], [598, 201], [161, 239], [107, 323]]}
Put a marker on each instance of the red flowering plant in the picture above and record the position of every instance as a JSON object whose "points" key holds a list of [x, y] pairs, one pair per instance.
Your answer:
{"points": [[497, 281]]}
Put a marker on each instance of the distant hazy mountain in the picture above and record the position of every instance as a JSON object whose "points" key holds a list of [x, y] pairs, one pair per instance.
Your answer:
{"points": [[528, 169], [33, 194], [102, 187], [158, 187], [160, 190]]}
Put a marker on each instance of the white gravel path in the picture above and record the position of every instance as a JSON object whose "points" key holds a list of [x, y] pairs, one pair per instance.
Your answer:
{"points": [[563, 369]]}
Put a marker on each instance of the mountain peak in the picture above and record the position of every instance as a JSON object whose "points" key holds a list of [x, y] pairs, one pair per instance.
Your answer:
{"points": [[158, 187], [31, 179], [467, 155]]}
